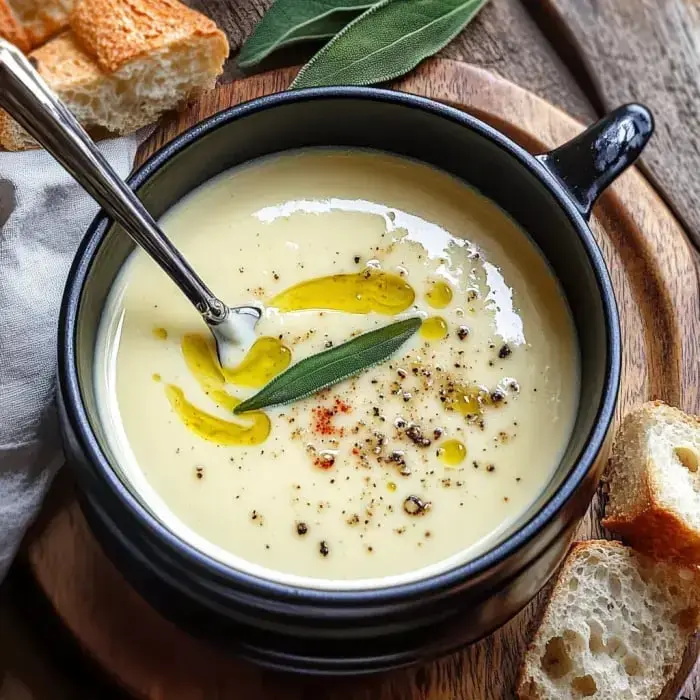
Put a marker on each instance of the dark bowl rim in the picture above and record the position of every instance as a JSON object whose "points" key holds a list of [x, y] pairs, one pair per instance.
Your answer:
{"points": [[69, 386]]}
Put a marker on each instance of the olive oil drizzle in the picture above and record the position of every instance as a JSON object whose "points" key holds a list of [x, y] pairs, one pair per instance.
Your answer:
{"points": [[439, 294], [469, 400], [215, 429], [452, 453], [264, 360], [434, 328], [370, 290]]}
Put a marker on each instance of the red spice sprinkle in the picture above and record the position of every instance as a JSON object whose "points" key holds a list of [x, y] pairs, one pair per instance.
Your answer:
{"points": [[323, 418], [341, 406]]}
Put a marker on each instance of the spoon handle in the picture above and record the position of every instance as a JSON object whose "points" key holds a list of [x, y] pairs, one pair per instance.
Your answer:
{"points": [[27, 98]]}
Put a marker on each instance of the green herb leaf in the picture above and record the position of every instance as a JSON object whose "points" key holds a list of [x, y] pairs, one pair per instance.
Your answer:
{"points": [[291, 21], [332, 366], [387, 41]]}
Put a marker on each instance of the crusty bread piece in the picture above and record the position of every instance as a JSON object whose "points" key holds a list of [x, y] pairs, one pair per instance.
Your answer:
{"points": [[653, 483], [71, 72], [616, 627], [117, 32], [11, 28], [42, 19], [129, 63]]}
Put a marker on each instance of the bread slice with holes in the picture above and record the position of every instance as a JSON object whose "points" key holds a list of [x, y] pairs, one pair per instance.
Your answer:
{"points": [[42, 19], [616, 627], [653, 483], [125, 62]]}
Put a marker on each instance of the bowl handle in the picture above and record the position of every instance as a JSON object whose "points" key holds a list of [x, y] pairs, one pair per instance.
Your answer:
{"points": [[587, 164]]}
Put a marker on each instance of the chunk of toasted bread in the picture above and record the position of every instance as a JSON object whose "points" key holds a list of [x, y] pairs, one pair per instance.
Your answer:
{"points": [[42, 19], [73, 75], [117, 32], [653, 483], [11, 28], [125, 62], [615, 628]]}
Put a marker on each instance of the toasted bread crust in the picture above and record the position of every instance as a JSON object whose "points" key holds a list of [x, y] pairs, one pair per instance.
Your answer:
{"points": [[658, 532], [11, 29], [118, 31], [8, 139], [43, 19], [650, 408], [642, 519], [64, 61]]}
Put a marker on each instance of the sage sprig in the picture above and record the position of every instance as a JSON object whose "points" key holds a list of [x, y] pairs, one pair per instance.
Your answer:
{"points": [[386, 41], [291, 21], [332, 366]]}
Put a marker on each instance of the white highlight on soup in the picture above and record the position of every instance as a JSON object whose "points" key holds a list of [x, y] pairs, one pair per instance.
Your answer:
{"points": [[409, 468]]}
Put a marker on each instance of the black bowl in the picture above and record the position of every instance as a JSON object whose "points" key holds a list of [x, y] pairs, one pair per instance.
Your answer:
{"points": [[359, 631]]}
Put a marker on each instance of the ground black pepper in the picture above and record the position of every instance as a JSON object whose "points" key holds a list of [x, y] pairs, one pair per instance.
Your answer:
{"points": [[497, 396], [413, 505], [415, 435]]}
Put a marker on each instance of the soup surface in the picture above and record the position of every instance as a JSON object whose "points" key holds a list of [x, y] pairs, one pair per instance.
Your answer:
{"points": [[406, 469]]}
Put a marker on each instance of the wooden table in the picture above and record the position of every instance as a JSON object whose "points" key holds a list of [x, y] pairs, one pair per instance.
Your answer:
{"points": [[585, 56]]}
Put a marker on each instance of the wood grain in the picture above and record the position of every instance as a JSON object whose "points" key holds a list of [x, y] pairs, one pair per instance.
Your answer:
{"points": [[503, 38], [648, 51], [656, 281]]}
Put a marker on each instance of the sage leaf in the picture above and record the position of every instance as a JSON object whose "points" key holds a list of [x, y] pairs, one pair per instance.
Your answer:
{"points": [[291, 21], [332, 366], [388, 40]]}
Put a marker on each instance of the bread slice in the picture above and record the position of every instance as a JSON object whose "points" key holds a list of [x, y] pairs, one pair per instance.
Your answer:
{"points": [[125, 62], [72, 73], [616, 627], [42, 19], [11, 28], [117, 32], [653, 483]]}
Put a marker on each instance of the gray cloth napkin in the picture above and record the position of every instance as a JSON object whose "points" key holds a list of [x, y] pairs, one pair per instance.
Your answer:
{"points": [[43, 216]]}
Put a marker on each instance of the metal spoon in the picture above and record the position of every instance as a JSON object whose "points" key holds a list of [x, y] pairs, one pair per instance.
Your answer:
{"points": [[25, 95]]}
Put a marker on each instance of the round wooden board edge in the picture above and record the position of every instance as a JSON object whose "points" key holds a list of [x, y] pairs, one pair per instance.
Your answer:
{"points": [[461, 85]]}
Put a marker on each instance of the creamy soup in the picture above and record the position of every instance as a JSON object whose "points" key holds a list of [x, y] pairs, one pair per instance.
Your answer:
{"points": [[412, 466]]}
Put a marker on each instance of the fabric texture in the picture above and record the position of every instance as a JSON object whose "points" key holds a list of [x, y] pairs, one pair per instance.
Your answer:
{"points": [[43, 216]]}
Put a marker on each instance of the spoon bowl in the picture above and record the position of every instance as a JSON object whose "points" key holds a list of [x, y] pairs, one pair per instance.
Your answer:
{"points": [[235, 334]]}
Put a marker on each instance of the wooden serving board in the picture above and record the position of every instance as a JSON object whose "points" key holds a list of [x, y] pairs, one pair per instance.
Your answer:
{"points": [[656, 279]]}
